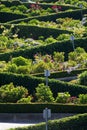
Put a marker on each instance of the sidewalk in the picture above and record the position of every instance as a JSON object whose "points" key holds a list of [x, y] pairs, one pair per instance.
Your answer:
{"points": [[29, 117], [9, 120], [5, 126]]}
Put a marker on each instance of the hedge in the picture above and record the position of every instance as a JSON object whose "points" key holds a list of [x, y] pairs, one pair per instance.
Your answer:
{"points": [[77, 122], [9, 16], [11, 3], [63, 46], [31, 82], [39, 107], [35, 31], [75, 14], [61, 74]]}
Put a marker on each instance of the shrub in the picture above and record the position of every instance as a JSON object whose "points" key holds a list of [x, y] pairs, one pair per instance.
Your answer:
{"points": [[44, 94], [83, 98], [20, 61], [25, 100], [39, 67], [11, 68], [83, 78], [62, 97], [9, 93]]}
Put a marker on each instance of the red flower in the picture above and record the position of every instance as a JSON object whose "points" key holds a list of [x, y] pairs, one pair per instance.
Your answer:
{"points": [[32, 5], [54, 6]]}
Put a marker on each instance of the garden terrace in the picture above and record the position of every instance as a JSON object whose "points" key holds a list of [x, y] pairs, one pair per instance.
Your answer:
{"points": [[76, 60], [64, 46], [30, 9], [31, 82], [74, 14]]}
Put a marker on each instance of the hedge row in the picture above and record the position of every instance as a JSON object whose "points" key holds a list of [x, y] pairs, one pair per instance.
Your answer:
{"points": [[77, 122], [7, 16], [39, 107], [49, 5], [43, 5], [35, 31], [31, 82], [61, 74], [75, 14], [11, 3], [64, 46]]}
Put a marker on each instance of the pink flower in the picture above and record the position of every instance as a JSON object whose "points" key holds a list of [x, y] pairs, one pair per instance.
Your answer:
{"points": [[54, 6], [59, 7]]}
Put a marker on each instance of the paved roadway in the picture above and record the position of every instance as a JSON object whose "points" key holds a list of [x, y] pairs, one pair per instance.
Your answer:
{"points": [[5, 126]]}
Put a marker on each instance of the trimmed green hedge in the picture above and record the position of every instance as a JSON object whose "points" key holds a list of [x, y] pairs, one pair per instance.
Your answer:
{"points": [[64, 46], [77, 122], [7, 16], [35, 31], [31, 82], [11, 3], [61, 74], [39, 107]]}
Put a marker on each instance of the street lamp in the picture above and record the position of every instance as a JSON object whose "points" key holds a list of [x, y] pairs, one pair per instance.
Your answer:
{"points": [[46, 115], [46, 74], [84, 20], [81, 6], [72, 40]]}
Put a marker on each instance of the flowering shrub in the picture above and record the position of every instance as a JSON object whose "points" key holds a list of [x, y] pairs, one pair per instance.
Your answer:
{"points": [[56, 8], [72, 100]]}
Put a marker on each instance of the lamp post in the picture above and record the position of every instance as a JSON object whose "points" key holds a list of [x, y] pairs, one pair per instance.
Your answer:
{"points": [[46, 115], [81, 6], [72, 40], [46, 74], [84, 20]]}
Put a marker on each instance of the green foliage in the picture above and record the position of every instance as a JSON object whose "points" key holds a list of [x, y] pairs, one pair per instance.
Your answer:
{"points": [[40, 67], [58, 57], [21, 61], [83, 98], [9, 93], [62, 97], [83, 78], [25, 100], [31, 82], [44, 94], [24, 69], [11, 68]]}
